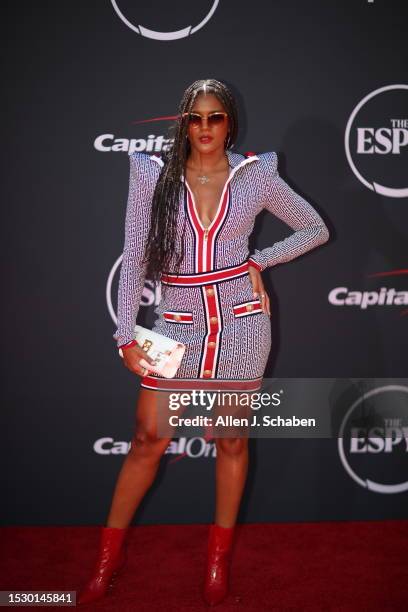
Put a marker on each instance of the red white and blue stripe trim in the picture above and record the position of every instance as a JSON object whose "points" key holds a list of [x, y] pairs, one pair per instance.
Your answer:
{"points": [[154, 382], [206, 278]]}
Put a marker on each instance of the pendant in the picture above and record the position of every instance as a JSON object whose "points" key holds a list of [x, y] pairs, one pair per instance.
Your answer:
{"points": [[203, 179]]}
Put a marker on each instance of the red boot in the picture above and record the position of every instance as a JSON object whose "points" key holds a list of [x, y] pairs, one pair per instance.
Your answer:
{"points": [[219, 553], [110, 561]]}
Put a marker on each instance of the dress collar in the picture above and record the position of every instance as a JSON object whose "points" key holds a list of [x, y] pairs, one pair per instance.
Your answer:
{"points": [[235, 160]]}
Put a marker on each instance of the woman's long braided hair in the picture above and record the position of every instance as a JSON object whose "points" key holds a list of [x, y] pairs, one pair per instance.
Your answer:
{"points": [[160, 251]]}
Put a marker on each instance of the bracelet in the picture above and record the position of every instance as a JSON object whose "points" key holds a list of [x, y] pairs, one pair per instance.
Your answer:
{"points": [[255, 264], [126, 346]]}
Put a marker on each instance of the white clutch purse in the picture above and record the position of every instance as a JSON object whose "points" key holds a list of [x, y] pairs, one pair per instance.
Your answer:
{"points": [[166, 352]]}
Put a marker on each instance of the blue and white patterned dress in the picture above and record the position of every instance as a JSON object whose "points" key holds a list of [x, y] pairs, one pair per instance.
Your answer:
{"points": [[210, 305]]}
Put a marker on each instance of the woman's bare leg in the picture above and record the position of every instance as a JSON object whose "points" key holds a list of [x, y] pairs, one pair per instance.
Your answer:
{"points": [[140, 466], [230, 473], [231, 470]]}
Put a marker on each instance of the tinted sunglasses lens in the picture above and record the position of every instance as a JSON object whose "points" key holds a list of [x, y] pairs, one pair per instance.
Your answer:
{"points": [[194, 119], [216, 119]]}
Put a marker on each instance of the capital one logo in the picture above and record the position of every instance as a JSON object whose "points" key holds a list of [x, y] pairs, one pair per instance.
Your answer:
{"points": [[128, 14], [373, 440], [376, 141]]}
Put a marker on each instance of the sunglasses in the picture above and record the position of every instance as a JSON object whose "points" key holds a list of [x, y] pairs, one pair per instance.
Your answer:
{"points": [[213, 119]]}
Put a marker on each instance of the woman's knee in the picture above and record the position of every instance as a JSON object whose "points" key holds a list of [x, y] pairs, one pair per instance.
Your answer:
{"points": [[231, 446], [145, 442]]}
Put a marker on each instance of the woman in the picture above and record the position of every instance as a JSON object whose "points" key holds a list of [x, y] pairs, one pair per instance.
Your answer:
{"points": [[190, 214]]}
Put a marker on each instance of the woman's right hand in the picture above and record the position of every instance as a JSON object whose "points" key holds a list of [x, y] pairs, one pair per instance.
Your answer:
{"points": [[132, 357]]}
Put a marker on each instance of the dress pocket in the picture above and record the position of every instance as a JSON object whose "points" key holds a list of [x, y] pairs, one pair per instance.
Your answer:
{"points": [[178, 317], [247, 309]]}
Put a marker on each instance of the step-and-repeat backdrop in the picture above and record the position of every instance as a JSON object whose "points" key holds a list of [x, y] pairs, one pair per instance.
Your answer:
{"points": [[322, 83]]}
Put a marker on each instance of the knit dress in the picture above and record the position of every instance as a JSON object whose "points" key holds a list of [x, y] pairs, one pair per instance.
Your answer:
{"points": [[209, 306]]}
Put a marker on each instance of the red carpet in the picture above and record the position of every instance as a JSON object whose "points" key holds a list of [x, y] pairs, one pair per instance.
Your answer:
{"points": [[338, 566]]}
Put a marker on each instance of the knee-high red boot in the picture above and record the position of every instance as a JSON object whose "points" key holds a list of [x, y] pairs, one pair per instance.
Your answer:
{"points": [[110, 561], [218, 560]]}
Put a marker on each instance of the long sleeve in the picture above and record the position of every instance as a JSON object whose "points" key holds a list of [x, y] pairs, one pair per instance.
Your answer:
{"points": [[290, 207], [137, 222]]}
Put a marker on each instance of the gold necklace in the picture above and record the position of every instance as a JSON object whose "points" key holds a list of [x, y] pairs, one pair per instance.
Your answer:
{"points": [[203, 178]]}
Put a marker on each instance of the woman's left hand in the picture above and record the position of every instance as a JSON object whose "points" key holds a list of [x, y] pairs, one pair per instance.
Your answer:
{"points": [[259, 289]]}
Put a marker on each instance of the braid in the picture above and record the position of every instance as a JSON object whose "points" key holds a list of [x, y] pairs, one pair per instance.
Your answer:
{"points": [[160, 252]]}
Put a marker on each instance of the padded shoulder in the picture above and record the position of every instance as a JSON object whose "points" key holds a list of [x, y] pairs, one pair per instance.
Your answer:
{"points": [[269, 163], [140, 158], [144, 166]]}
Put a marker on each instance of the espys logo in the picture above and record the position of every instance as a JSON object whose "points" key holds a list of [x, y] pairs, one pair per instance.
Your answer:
{"points": [[127, 12], [376, 141], [373, 440], [151, 294]]}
